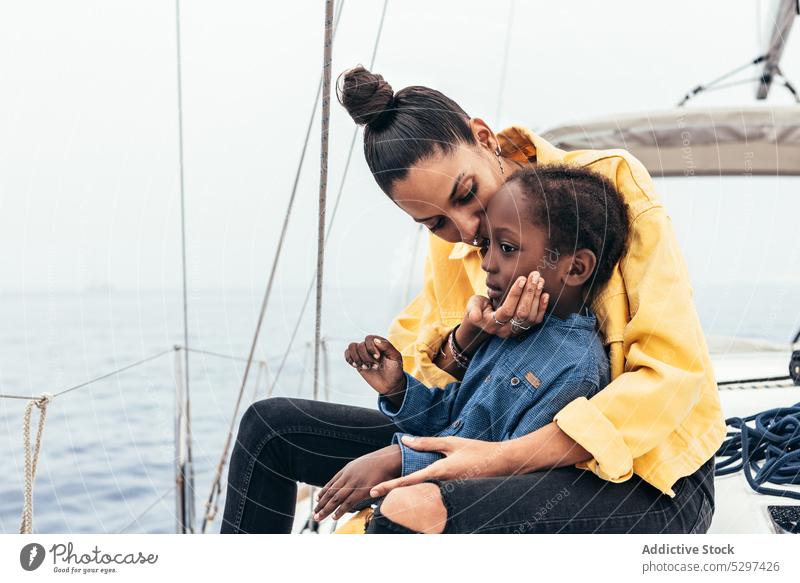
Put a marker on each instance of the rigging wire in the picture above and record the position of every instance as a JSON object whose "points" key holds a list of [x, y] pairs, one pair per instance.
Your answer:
{"points": [[42, 400], [312, 523], [335, 210], [762, 420], [730, 84], [146, 510], [284, 228], [186, 348], [262, 371], [216, 485], [226, 356], [787, 84], [327, 57], [135, 364], [700, 88], [96, 379], [186, 405]]}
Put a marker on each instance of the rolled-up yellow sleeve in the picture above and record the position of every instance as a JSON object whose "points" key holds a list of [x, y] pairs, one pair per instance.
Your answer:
{"points": [[586, 424], [667, 365]]}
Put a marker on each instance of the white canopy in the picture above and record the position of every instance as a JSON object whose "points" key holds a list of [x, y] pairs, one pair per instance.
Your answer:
{"points": [[696, 142]]}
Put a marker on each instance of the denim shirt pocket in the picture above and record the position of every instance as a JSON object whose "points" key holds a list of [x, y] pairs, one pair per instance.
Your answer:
{"points": [[525, 377], [521, 388]]}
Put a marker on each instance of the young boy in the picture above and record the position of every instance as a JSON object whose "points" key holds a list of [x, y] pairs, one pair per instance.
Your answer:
{"points": [[565, 227]]}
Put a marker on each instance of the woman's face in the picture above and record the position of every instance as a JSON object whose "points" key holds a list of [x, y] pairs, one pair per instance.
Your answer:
{"points": [[448, 193]]}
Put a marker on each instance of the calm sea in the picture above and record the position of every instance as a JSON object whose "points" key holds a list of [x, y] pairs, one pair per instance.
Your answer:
{"points": [[108, 447]]}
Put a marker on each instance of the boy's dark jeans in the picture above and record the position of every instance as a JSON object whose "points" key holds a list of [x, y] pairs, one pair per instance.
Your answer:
{"points": [[282, 441]]}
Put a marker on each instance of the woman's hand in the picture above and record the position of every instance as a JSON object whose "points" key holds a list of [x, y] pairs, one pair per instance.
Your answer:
{"points": [[464, 458], [380, 364], [547, 447], [525, 303], [353, 482]]}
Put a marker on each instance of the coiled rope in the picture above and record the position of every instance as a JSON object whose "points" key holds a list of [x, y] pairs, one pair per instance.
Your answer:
{"points": [[32, 457], [767, 452]]}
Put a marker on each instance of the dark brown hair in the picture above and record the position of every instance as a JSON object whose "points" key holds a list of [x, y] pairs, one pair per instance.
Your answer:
{"points": [[402, 128]]}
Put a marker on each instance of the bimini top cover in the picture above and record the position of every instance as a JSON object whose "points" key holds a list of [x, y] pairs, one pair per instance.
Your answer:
{"points": [[696, 142]]}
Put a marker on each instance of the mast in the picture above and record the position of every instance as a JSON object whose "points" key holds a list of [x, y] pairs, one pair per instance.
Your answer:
{"points": [[782, 19]]}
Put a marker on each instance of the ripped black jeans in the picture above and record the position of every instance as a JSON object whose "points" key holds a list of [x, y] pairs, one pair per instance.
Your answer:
{"points": [[283, 441]]}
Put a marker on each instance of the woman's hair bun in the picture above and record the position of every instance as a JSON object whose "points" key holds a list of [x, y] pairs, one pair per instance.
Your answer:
{"points": [[366, 96]]}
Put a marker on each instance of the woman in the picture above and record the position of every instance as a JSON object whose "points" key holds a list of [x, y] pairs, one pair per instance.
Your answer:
{"points": [[636, 457]]}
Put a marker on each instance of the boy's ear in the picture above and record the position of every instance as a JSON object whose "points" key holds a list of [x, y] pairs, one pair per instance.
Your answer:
{"points": [[580, 267]]}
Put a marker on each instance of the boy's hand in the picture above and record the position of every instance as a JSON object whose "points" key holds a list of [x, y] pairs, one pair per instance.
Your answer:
{"points": [[380, 363], [353, 482]]}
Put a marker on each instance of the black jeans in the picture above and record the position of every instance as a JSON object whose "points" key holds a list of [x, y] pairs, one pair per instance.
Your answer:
{"points": [[282, 441]]}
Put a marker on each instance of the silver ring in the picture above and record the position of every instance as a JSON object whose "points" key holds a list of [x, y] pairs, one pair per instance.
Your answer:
{"points": [[519, 324], [498, 322]]}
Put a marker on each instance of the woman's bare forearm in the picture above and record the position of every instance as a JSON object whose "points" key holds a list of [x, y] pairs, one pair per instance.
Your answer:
{"points": [[545, 448]]}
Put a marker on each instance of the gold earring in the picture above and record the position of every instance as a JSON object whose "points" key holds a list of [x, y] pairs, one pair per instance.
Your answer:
{"points": [[499, 161]]}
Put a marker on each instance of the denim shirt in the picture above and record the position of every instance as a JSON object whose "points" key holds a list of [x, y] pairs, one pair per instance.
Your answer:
{"points": [[511, 387]]}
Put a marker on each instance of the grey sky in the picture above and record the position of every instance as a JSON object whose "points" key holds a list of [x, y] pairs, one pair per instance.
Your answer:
{"points": [[88, 130]]}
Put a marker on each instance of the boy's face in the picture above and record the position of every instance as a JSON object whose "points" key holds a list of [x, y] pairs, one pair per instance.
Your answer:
{"points": [[513, 247]]}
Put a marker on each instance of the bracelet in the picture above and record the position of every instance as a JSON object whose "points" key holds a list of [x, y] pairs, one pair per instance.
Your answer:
{"points": [[455, 343], [461, 359]]}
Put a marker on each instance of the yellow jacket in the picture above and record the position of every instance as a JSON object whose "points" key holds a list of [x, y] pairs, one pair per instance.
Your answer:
{"points": [[660, 417]]}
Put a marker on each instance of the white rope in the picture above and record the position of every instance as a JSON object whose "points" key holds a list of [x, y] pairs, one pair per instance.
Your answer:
{"points": [[32, 457]]}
